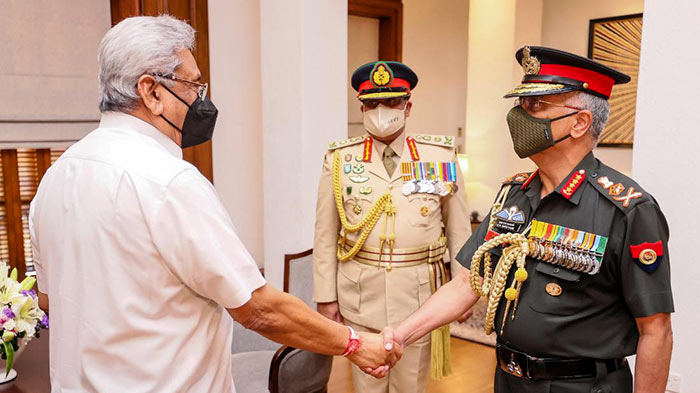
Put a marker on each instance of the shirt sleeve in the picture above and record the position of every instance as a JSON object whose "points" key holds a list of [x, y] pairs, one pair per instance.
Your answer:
{"points": [[645, 266], [326, 230], [475, 241], [42, 282], [455, 216], [193, 232]]}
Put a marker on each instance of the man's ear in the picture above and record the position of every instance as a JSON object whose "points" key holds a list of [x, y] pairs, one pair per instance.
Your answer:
{"points": [[409, 104], [150, 95], [583, 121]]}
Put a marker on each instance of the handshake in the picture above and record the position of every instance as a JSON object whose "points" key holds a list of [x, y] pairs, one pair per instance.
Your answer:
{"points": [[378, 352]]}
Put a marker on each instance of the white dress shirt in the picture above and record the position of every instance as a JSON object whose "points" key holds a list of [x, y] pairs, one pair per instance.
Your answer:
{"points": [[139, 259]]}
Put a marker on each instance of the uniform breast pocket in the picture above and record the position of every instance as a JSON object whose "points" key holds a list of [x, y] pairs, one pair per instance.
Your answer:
{"points": [[555, 290], [356, 206], [424, 208]]}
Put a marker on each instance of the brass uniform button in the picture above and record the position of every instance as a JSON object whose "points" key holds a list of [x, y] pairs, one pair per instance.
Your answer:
{"points": [[357, 209], [647, 256], [553, 289], [424, 211]]}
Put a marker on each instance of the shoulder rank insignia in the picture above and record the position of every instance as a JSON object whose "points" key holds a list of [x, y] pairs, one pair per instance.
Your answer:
{"points": [[437, 140], [625, 199], [648, 255], [617, 192], [517, 178], [346, 142]]}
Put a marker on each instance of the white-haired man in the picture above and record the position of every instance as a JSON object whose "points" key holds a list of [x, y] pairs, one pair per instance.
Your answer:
{"points": [[135, 253]]}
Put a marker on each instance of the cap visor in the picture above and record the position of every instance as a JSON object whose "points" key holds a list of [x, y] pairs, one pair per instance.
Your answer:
{"points": [[381, 95], [538, 89]]}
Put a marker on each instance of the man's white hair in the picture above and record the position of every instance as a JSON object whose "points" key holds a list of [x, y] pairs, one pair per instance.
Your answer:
{"points": [[599, 107], [134, 47]]}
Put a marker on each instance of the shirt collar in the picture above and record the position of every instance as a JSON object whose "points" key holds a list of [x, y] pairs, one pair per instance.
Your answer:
{"points": [[127, 122], [573, 184], [396, 145], [571, 187]]}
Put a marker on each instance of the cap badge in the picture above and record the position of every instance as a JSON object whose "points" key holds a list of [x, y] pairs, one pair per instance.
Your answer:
{"points": [[531, 65], [381, 75]]}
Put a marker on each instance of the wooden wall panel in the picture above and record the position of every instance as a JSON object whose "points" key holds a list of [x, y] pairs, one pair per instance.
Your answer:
{"points": [[390, 15]]}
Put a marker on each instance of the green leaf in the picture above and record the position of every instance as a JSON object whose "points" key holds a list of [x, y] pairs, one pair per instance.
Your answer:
{"points": [[27, 283], [10, 351], [13, 274]]}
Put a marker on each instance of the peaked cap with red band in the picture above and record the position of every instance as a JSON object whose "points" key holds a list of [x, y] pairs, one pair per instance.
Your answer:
{"points": [[551, 71], [383, 79]]}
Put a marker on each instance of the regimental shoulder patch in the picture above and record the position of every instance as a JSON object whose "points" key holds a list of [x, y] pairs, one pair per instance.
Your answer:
{"points": [[437, 140], [346, 142], [619, 189], [648, 256]]}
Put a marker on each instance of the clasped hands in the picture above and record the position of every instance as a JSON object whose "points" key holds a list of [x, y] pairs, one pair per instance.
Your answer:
{"points": [[378, 353]]}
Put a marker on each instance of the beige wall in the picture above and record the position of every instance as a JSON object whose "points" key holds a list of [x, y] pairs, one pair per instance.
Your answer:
{"points": [[565, 26], [435, 47], [363, 47], [665, 152], [303, 52], [234, 54]]}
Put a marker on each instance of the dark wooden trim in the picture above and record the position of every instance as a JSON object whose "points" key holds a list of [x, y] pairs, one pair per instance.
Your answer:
{"points": [[273, 379], [122, 9], [43, 162], [195, 12], [288, 258], [390, 15], [13, 211]]}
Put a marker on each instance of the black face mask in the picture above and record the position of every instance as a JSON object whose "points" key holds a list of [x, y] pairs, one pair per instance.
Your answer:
{"points": [[531, 134], [199, 121]]}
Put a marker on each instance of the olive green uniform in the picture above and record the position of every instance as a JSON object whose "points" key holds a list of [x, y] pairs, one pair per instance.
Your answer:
{"points": [[586, 316]]}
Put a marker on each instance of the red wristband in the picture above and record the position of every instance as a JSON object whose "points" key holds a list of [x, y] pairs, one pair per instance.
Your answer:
{"points": [[354, 343]]}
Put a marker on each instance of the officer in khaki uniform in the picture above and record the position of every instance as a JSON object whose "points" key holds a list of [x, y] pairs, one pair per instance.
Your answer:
{"points": [[390, 204]]}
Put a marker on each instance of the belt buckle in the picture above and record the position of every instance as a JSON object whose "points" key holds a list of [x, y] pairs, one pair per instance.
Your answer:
{"points": [[513, 368], [514, 363]]}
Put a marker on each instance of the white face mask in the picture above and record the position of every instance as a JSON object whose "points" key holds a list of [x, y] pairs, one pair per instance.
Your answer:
{"points": [[383, 121]]}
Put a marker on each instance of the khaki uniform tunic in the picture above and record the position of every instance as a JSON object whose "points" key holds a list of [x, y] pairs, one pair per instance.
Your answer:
{"points": [[370, 297]]}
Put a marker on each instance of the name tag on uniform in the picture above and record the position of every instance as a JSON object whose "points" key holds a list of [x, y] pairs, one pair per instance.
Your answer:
{"points": [[438, 178], [510, 219]]}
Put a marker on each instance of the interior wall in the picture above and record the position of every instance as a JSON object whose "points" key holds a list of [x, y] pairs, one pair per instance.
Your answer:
{"points": [[234, 62], [665, 151], [492, 71], [363, 47], [304, 107], [435, 46], [565, 26]]}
